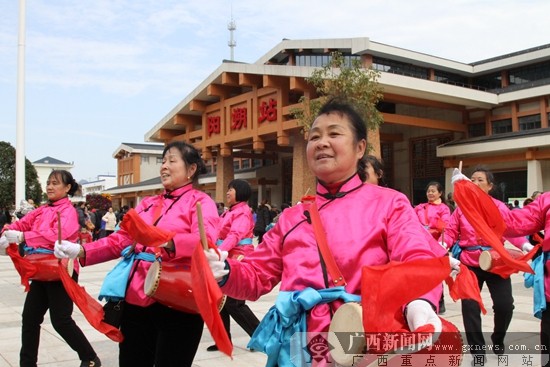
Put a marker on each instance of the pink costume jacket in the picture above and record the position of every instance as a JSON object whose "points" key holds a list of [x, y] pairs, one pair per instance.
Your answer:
{"points": [[528, 220], [236, 224], [40, 225], [460, 228], [178, 213], [431, 214], [369, 225]]}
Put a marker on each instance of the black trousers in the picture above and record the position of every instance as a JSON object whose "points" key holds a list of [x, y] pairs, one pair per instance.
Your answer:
{"points": [[158, 336], [241, 313], [545, 338], [41, 297], [503, 309]]}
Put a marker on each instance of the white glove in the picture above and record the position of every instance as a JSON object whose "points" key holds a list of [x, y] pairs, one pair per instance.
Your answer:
{"points": [[455, 266], [217, 263], [14, 236], [4, 243], [527, 247], [443, 244], [66, 249], [458, 176], [419, 313]]}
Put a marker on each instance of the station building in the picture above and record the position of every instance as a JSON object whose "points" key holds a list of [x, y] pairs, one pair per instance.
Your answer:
{"points": [[436, 113]]}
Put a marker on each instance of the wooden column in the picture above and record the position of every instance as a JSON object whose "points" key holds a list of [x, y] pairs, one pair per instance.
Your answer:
{"points": [[224, 175], [303, 180]]}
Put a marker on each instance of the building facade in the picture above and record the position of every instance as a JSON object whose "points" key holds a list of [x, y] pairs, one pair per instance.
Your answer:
{"points": [[436, 113]]}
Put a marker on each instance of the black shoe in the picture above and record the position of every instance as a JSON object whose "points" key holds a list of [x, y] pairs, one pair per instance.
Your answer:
{"points": [[441, 309], [212, 348], [94, 363]]}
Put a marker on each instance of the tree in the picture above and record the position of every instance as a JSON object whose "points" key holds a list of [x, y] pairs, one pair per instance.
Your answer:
{"points": [[352, 83], [99, 201], [33, 190]]}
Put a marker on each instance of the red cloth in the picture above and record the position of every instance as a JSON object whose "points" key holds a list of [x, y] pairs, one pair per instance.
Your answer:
{"points": [[465, 286], [25, 269], [484, 216], [90, 308], [386, 288], [208, 296], [143, 233]]}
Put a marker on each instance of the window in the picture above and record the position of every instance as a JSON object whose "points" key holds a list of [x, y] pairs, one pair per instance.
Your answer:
{"points": [[530, 73], [502, 126], [449, 78], [477, 129], [395, 67], [529, 122], [145, 159], [159, 160], [490, 81], [319, 60], [425, 165], [245, 163]]}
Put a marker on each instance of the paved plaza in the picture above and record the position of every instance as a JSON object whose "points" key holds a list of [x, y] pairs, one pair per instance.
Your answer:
{"points": [[54, 351]]}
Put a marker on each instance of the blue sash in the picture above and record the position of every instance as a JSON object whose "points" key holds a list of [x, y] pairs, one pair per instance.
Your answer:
{"points": [[288, 317], [31, 250], [116, 281], [243, 242], [537, 282]]}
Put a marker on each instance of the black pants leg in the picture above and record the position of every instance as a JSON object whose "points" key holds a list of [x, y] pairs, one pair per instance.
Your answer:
{"points": [[34, 309], [545, 338], [50, 295], [159, 336], [224, 313], [242, 314], [503, 307]]}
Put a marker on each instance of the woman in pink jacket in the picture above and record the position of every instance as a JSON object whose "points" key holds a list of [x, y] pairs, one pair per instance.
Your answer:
{"points": [[530, 219], [155, 334], [235, 236], [364, 225], [468, 246], [434, 215], [37, 231]]}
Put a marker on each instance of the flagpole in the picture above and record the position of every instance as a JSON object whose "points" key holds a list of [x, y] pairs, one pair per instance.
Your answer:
{"points": [[20, 115]]}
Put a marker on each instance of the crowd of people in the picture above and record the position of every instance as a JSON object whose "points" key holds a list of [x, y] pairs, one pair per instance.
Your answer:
{"points": [[363, 223]]}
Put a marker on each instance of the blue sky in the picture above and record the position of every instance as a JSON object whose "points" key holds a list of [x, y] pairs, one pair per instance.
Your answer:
{"points": [[100, 73]]}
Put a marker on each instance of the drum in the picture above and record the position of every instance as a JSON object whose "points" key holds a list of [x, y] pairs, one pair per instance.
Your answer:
{"points": [[349, 343], [47, 268], [490, 258], [170, 284]]}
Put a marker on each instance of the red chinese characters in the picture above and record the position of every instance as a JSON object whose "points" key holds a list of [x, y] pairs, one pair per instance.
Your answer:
{"points": [[214, 126], [268, 111], [238, 118]]}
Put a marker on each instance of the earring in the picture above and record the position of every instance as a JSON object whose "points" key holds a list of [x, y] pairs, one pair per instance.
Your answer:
{"points": [[188, 177]]}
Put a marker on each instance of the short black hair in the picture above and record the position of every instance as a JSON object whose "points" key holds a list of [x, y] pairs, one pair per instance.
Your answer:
{"points": [[242, 189]]}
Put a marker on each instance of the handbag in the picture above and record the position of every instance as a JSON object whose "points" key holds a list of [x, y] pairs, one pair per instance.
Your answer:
{"points": [[113, 312]]}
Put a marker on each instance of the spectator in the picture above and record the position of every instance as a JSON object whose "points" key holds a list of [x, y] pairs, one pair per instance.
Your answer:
{"points": [[110, 221], [262, 220]]}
